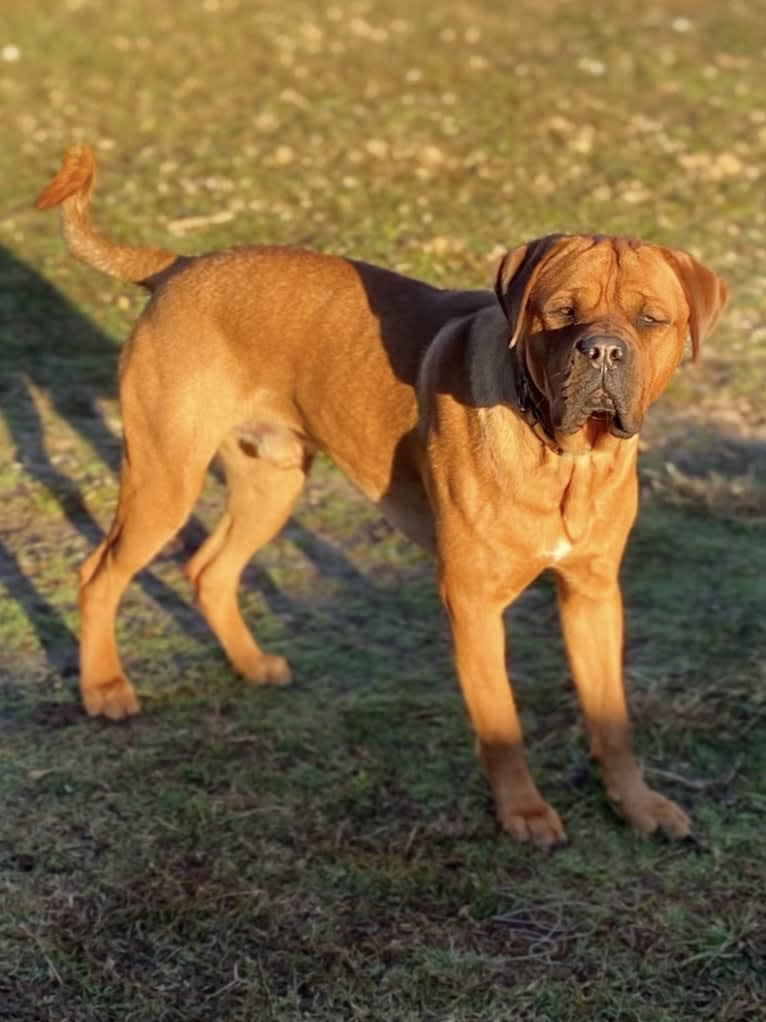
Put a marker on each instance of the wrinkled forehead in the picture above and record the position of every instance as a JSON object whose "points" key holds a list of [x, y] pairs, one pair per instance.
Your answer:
{"points": [[598, 269]]}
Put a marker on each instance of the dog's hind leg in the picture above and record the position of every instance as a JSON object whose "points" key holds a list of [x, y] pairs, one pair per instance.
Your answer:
{"points": [[260, 498], [166, 454], [152, 508]]}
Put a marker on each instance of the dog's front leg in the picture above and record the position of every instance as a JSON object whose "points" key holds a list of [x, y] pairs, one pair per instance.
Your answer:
{"points": [[590, 604], [479, 637]]}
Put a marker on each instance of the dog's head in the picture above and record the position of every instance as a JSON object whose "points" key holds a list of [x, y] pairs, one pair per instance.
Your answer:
{"points": [[599, 324]]}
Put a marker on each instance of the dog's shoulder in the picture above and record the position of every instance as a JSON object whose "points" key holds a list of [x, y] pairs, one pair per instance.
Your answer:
{"points": [[466, 360]]}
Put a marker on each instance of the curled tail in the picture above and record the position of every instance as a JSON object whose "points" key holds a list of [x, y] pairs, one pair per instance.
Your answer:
{"points": [[71, 189]]}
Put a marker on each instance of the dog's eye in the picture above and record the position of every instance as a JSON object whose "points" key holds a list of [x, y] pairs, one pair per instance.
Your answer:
{"points": [[564, 313], [650, 319]]}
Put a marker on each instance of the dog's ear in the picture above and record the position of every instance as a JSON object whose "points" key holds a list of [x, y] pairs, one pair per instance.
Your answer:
{"points": [[706, 294], [516, 274]]}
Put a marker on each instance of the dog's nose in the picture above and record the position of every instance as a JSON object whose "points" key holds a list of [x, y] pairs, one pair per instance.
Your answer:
{"points": [[603, 352]]}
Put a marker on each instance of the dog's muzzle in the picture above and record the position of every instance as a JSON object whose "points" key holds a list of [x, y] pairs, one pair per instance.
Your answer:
{"points": [[599, 385]]}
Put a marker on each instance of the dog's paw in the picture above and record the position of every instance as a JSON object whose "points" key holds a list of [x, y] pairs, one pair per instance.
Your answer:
{"points": [[267, 669], [648, 812], [115, 699], [537, 823]]}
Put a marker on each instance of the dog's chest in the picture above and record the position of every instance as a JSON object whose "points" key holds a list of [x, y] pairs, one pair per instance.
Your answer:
{"points": [[566, 503], [585, 497]]}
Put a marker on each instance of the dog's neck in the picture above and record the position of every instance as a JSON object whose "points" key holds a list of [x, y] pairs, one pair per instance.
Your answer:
{"points": [[529, 403]]}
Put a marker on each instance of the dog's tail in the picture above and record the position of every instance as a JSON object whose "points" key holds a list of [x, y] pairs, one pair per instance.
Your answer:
{"points": [[71, 189]]}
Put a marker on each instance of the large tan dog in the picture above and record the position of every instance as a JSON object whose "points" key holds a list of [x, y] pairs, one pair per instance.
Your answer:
{"points": [[498, 430]]}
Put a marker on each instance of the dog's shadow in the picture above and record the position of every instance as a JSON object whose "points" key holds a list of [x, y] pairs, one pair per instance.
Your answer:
{"points": [[55, 358], [50, 352]]}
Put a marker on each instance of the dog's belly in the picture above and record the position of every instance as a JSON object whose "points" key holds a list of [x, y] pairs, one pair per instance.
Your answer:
{"points": [[408, 510], [401, 498], [399, 494], [392, 481]]}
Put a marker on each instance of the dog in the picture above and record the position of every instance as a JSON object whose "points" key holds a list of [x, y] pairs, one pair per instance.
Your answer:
{"points": [[498, 429]]}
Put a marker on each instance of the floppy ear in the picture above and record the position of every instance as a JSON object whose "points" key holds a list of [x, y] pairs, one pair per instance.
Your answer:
{"points": [[706, 294], [516, 274]]}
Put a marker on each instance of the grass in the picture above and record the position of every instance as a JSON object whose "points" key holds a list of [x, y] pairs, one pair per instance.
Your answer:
{"points": [[328, 851]]}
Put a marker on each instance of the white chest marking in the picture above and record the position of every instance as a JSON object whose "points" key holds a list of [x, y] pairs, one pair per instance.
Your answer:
{"points": [[560, 551]]}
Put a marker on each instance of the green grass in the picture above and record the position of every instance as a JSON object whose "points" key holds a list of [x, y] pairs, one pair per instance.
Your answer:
{"points": [[328, 851]]}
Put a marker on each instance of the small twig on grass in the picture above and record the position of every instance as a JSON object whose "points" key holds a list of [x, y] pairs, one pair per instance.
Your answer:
{"points": [[194, 223], [227, 986], [702, 785], [410, 840], [543, 928], [714, 955], [52, 970]]}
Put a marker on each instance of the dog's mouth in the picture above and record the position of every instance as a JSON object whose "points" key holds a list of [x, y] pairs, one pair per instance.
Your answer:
{"points": [[601, 408], [600, 404]]}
